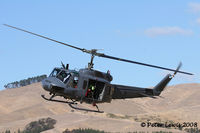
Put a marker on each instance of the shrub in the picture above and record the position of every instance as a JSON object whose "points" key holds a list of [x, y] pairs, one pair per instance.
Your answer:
{"points": [[40, 125], [81, 130], [192, 130]]}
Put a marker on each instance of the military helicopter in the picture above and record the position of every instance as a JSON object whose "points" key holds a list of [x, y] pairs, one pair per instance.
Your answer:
{"points": [[92, 86]]}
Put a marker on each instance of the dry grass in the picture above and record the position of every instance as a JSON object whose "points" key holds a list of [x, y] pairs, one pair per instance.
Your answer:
{"points": [[20, 106]]}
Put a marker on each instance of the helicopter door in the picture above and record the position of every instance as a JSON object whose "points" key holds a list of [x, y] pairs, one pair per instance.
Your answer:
{"points": [[85, 84], [108, 93], [95, 89]]}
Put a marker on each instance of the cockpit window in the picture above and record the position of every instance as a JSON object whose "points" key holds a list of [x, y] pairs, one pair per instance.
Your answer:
{"points": [[64, 76], [54, 72], [67, 78]]}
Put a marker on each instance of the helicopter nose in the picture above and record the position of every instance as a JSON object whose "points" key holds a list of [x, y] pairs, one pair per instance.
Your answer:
{"points": [[46, 85]]}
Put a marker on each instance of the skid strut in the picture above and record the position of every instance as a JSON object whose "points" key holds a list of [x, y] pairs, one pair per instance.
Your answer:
{"points": [[84, 109]]}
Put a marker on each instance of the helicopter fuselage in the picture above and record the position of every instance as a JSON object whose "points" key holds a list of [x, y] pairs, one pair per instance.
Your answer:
{"points": [[76, 85]]}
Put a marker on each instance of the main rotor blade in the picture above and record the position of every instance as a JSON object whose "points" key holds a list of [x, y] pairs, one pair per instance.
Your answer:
{"points": [[82, 49], [93, 52], [144, 64]]}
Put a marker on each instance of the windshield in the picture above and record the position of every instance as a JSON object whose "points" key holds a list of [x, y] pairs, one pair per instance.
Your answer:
{"points": [[63, 76], [54, 72]]}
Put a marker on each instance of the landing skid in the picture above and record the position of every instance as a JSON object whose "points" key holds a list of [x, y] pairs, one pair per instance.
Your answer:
{"points": [[71, 105], [53, 100], [84, 109]]}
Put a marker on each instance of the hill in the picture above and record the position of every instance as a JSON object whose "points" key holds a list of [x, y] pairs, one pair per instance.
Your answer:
{"points": [[179, 103]]}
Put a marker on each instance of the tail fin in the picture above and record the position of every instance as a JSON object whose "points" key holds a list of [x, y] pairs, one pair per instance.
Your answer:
{"points": [[163, 83]]}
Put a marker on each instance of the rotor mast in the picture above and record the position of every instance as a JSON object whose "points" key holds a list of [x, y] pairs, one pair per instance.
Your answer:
{"points": [[93, 52], [91, 64]]}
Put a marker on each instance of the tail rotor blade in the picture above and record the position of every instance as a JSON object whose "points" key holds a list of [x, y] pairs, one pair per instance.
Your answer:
{"points": [[179, 66]]}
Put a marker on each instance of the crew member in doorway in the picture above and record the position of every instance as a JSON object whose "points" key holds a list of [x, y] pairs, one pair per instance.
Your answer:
{"points": [[90, 91]]}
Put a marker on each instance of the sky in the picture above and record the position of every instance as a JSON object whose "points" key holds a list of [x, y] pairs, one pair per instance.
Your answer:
{"points": [[156, 32]]}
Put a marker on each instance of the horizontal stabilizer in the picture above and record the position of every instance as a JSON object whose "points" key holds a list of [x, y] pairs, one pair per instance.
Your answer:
{"points": [[148, 95]]}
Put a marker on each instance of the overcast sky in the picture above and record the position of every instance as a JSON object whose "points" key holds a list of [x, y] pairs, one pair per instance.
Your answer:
{"points": [[156, 32]]}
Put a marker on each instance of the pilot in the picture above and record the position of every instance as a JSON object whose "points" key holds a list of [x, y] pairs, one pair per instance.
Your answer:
{"points": [[75, 82]]}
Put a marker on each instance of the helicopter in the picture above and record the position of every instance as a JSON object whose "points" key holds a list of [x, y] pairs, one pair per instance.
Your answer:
{"points": [[92, 86]]}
